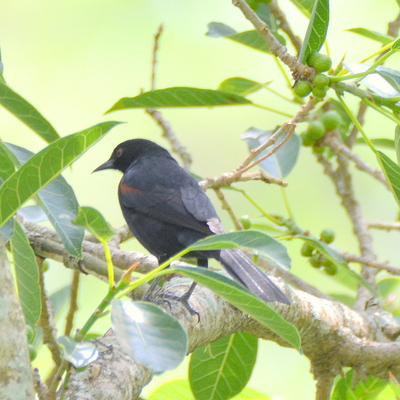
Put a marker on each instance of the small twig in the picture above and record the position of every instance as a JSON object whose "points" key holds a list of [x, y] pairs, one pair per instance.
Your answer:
{"points": [[284, 24], [226, 206], [155, 51], [379, 265], [169, 134], [387, 226], [227, 178], [40, 387], [46, 319], [336, 146], [167, 130], [288, 126], [351, 140], [342, 180], [298, 69], [73, 302], [394, 27]]}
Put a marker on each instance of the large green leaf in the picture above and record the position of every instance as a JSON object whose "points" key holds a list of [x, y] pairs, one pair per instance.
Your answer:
{"points": [[239, 86], [367, 389], [92, 220], [180, 97], [58, 201], [257, 242], [316, 31], [7, 166], [28, 114], [305, 6], [390, 75], [27, 274], [245, 301], [222, 369], [44, 167], [149, 335], [397, 143], [379, 37], [392, 172]]}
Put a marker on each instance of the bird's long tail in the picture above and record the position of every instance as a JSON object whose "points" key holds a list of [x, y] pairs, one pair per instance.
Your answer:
{"points": [[248, 274]]}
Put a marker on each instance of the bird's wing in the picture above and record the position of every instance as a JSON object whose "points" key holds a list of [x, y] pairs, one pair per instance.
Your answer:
{"points": [[164, 191]]}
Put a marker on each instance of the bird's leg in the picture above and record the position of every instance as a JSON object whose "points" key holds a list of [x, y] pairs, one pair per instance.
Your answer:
{"points": [[147, 296]]}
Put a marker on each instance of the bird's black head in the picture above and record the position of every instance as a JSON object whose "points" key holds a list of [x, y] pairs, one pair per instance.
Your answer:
{"points": [[131, 150]]}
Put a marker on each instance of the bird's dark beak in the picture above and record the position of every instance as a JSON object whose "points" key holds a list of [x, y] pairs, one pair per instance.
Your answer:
{"points": [[107, 165]]}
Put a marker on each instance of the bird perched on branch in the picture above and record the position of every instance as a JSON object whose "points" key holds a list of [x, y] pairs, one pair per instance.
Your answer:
{"points": [[168, 211]]}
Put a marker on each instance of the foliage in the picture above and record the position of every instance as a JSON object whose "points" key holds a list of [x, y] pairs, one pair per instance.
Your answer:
{"points": [[222, 369]]}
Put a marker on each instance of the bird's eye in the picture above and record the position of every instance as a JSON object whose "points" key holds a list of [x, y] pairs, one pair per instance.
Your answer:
{"points": [[119, 152]]}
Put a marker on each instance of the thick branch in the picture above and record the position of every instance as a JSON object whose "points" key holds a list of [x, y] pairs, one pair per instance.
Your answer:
{"points": [[15, 370], [332, 335]]}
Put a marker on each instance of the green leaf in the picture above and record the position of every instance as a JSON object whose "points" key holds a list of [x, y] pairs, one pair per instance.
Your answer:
{"points": [[390, 75], [258, 243], [392, 172], [374, 81], [251, 39], [379, 142], [251, 394], [344, 274], [397, 142], [222, 369], [368, 389], [245, 301], [219, 29], [389, 289], [7, 166], [280, 163], [149, 335], [79, 354], [316, 31], [394, 385], [28, 114], [239, 86], [305, 6], [27, 274], [379, 37], [173, 390], [44, 167], [179, 97], [92, 220], [396, 45], [58, 201]]}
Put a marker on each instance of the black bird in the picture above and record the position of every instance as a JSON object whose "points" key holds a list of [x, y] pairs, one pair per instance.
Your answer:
{"points": [[168, 211]]}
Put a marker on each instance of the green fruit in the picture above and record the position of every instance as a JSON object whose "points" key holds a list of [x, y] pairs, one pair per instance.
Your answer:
{"points": [[318, 149], [46, 265], [245, 221], [331, 120], [320, 62], [321, 81], [307, 250], [302, 88], [306, 139], [32, 352], [315, 260], [30, 332], [316, 130], [327, 235], [329, 267], [319, 92]]}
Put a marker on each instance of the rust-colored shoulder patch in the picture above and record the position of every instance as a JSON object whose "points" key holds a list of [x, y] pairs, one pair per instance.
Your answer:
{"points": [[125, 188]]}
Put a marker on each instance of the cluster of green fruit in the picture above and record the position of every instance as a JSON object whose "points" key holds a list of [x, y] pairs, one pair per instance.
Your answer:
{"points": [[31, 339], [320, 83], [318, 260], [329, 121]]}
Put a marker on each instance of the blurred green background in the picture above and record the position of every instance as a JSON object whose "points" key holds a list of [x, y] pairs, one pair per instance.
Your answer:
{"points": [[74, 59]]}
